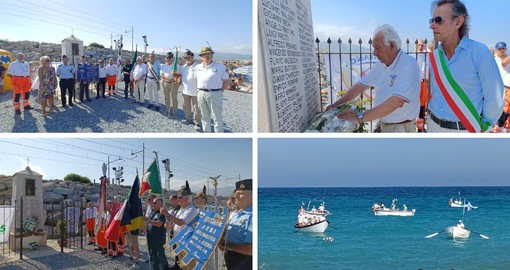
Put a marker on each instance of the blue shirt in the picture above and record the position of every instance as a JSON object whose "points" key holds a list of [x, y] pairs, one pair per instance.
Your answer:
{"points": [[475, 70], [157, 69], [239, 229], [65, 71]]}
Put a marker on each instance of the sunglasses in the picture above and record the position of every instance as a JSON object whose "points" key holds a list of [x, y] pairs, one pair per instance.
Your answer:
{"points": [[438, 20], [500, 49]]}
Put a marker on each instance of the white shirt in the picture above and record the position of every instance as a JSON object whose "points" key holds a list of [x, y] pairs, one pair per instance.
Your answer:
{"points": [[102, 72], [139, 70], [504, 71], [187, 215], [166, 70], [401, 79], [19, 69], [422, 59], [111, 70], [212, 76], [90, 213], [189, 80]]}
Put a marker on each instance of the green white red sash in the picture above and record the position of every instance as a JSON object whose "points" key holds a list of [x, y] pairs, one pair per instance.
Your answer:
{"points": [[455, 96], [153, 72]]}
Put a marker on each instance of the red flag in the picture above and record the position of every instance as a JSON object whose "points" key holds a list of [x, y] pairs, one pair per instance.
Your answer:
{"points": [[100, 204], [113, 231]]}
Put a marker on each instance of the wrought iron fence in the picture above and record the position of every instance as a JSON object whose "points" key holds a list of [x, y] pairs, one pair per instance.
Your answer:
{"points": [[354, 59], [66, 212]]}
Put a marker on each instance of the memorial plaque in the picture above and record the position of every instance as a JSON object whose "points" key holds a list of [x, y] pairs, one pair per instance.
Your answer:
{"points": [[289, 95]]}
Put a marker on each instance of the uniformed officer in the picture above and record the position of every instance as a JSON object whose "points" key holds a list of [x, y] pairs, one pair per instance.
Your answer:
{"points": [[19, 72], [84, 79], [66, 74], [238, 243], [212, 79]]}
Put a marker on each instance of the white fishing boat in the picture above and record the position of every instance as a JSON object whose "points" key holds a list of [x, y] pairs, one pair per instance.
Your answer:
{"points": [[381, 210], [458, 203], [314, 220], [457, 232], [310, 222]]}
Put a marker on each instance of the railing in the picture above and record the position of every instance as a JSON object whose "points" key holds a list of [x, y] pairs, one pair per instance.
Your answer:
{"points": [[68, 211], [354, 61]]}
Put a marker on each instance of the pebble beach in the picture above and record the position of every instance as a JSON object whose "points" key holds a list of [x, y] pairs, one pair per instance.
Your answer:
{"points": [[116, 114]]}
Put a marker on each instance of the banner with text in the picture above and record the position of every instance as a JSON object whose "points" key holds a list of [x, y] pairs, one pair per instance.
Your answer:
{"points": [[199, 240], [6, 216]]}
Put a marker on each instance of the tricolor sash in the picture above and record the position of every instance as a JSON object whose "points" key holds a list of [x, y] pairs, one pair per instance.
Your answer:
{"points": [[455, 96], [152, 71]]}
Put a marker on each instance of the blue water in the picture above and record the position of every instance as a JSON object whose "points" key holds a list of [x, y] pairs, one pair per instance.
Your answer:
{"points": [[364, 241]]}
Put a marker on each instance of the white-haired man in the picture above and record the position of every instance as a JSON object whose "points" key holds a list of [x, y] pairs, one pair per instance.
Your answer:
{"points": [[397, 82], [139, 75]]}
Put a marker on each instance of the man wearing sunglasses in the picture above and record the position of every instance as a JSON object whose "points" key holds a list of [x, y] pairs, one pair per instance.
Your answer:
{"points": [[503, 62], [466, 88]]}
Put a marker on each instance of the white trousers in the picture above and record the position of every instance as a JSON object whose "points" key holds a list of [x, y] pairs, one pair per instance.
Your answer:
{"points": [[211, 106], [152, 88], [140, 91]]}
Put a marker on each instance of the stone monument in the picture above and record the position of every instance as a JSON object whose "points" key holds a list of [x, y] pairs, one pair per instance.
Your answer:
{"points": [[73, 49], [289, 96], [28, 184]]}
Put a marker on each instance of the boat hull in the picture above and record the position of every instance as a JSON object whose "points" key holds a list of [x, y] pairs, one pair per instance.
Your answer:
{"points": [[394, 213], [319, 227], [456, 232]]}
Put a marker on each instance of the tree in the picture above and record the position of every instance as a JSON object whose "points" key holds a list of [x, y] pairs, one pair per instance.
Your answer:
{"points": [[77, 178], [96, 45]]}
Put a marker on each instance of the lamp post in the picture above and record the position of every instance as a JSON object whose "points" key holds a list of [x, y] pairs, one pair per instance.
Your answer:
{"points": [[132, 35], [109, 167]]}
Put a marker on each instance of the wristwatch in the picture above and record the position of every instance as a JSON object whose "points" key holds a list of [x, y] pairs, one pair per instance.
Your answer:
{"points": [[360, 117]]}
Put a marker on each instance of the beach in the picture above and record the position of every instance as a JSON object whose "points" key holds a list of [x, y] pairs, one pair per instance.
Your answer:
{"points": [[115, 114]]}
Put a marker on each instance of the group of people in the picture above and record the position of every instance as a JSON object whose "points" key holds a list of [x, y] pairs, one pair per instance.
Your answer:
{"points": [[202, 83], [164, 223], [466, 87]]}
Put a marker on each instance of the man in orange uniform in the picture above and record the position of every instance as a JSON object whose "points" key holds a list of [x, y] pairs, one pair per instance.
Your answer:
{"points": [[19, 72]]}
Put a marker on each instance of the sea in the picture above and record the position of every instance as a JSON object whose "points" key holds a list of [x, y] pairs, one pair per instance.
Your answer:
{"points": [[356, 239]]}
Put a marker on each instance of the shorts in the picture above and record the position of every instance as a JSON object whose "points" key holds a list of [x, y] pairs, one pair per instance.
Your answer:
{"points": [[132, 240]]}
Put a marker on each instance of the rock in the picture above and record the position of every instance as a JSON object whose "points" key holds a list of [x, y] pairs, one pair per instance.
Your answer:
{"points": [[74, 197], [63, 191], [78, 187], [52, 197], [3, 187], [48, 186]]}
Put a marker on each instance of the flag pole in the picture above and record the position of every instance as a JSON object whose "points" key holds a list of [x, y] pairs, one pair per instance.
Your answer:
{"points": [[159, 178]]}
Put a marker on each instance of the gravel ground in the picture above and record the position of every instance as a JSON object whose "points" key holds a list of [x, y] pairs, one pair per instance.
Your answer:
{"points": [[46, 258], [118, 115]]}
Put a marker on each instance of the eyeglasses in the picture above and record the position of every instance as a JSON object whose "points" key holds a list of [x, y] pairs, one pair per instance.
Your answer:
{"points": [[438, 20], [48, 60], [500, 49], [180, 197]]}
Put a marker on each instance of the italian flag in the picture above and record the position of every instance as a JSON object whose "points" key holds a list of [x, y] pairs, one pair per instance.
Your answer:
{"points": [[113, 231], [151, 180]]}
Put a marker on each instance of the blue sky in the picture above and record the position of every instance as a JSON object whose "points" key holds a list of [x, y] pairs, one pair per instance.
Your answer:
{"points": [[382, 162], [358, 19], [225, 24], [190, 159]]}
